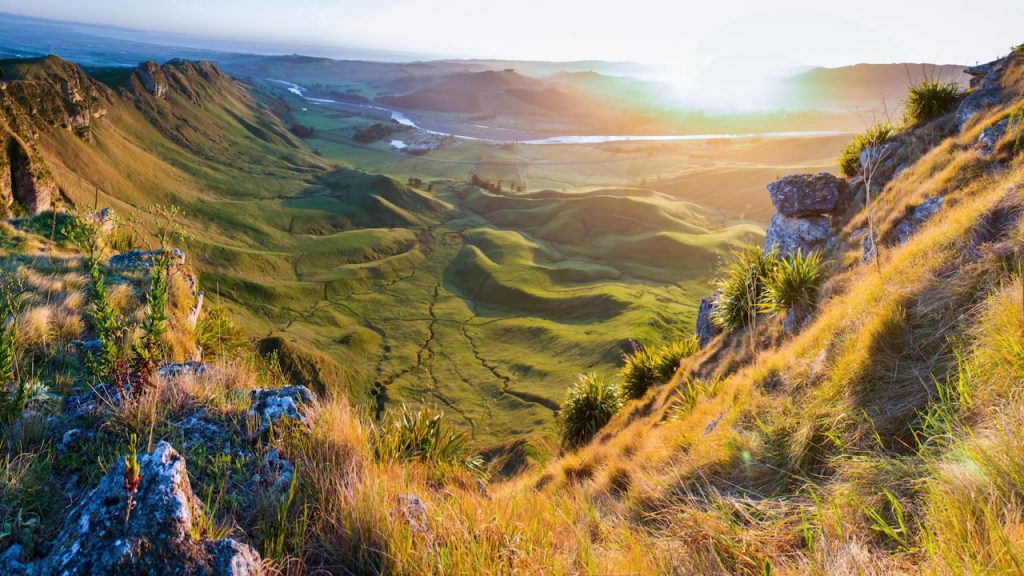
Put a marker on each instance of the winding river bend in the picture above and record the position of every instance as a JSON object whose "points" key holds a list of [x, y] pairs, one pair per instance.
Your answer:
{"points": [[479, 132]]}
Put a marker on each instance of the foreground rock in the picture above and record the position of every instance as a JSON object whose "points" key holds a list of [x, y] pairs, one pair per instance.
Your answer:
{"points": [[156, 537], [801, 195], [273, 406], [787, 235]]}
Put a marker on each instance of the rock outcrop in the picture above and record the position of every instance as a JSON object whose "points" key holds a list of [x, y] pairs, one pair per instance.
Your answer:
{"points": [[920, 214], [271, 406], [788, 235], [804, 203], [24, 180], [149, 77], [100, 536], [986, 89], [706, 329], [802, 195]]}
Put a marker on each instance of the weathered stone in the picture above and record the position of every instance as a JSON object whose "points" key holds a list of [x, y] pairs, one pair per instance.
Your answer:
{"points": [[101, 537], [706, 329], [276, 469], [271, 405], [924, 211], [991, 136], [787, 235], [10, 562], [801, 195]]}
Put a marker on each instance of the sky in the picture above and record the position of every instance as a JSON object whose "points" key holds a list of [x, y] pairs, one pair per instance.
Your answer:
{"points": [[689, 41]]}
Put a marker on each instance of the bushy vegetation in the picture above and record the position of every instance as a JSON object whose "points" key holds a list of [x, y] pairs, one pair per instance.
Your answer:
{"points": [[742, 286], [423, 436], [793, 282], [849, 159], [13, 390], [930, 99], [588, 406], [217, 334]]}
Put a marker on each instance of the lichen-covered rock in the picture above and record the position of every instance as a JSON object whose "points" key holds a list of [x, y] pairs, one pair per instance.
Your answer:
{"points": [[99, 537], [179, 369], [787, 235], [921, 214], [991, 136], [271, 405], [802, 195], [706, 329], [143, 258]]}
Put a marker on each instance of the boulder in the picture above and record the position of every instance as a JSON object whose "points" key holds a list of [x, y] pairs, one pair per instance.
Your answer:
{"points": [[802, 195], [144, 258], [991, 136], [706, 329], [178, 369], [99, 537], [787, 235], [271, 405], [921, 214]]}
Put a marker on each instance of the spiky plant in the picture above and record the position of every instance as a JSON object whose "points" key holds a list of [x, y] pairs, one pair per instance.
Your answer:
{"points": [[589, 405], [132, 475], [930, 99], [849, 159], [742, 287], [793, 283], [639, 373], [668, 357], [424, 436]]}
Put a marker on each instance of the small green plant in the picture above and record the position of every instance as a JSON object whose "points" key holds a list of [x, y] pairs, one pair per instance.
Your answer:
{"points": [[689, 393], [638, 373], [132, 475], [147, 351], [895, 529], [273, 532], [422, 436], [930, 99], [668, 357], [849, 159], [1019, 51], [217, 334], [12, 402], [588, 406], [742, 287], [793, 282], [86, 235]]}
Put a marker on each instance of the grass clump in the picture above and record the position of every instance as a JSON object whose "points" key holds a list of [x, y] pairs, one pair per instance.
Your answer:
{"points": [[423, 436], [639, 373], [929, 99], [849, 159], [588, 406], [668, 357], [742, 287], [793, 282]]}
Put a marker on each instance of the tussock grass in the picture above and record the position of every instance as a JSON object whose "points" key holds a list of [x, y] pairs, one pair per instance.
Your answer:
{"points": [[588, 406], [849, 159], [930, 99], [742, 286]]}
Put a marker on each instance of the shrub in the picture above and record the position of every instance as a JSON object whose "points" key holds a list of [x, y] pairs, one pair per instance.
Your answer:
{"points": [[849, 159], [146, 352], [423, 436], [929, 99], [742, 287], [639, 373], [669, 356], [588, 406], [793, 282]]}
